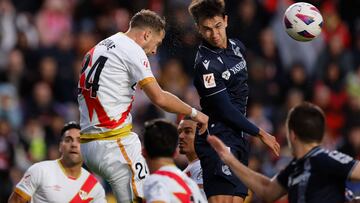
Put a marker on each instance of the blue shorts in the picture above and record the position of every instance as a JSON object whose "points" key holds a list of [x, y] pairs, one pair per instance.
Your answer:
{"points": [[218, 178]]}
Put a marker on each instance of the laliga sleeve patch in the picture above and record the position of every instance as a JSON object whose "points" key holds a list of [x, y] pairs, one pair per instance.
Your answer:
{"points": [[145, 63], [209, 80]]}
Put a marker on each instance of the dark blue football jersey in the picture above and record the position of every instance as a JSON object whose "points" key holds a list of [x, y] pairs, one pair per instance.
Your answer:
{"points": [[318, 177], [218, 70]]}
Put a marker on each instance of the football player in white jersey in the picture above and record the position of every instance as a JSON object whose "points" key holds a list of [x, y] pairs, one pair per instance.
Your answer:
{"points": [[61, 180], [187, 130], [166, 183], [111, 72]]}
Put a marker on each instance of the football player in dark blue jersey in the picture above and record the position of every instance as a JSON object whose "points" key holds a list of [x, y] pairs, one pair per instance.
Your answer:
{"points": [[315, 175], [221, 81]]}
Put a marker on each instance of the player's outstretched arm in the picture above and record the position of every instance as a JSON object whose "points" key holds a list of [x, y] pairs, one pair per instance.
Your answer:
{"points": [[267, 189], [16, 198], [270, 141], [173, 104]]}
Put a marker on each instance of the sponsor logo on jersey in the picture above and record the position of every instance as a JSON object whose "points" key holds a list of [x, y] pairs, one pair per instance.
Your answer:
{"points": [[206, 64], [238, 67], [226, 170], [237, 51], [145, 63], [209, 80], [219, 58], [226, 75]]}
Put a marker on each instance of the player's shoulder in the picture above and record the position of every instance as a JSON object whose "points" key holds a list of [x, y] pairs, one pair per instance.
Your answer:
{"points": [[42, 168], [325, 155], [237, 42], [154, 180], [120, 42], [44, 165]]}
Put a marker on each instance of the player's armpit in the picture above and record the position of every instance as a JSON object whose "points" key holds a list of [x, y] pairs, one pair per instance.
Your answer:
{"points": [[19, 196], [355, 172]]}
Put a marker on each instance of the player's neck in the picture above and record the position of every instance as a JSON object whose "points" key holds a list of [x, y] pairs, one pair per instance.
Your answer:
{"points": [[157, 163], [191, 157], [302, 149], [71, 171], [134, 34]]}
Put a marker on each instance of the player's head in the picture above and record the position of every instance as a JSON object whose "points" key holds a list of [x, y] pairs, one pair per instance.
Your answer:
{"points": [[187, 130], [160, 139], [211, 20], [306, 122], [152, 28], [70, 143]]}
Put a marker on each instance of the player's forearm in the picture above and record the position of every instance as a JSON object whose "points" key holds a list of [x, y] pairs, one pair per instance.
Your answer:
{"points": [[256, 182], [173, 104]]}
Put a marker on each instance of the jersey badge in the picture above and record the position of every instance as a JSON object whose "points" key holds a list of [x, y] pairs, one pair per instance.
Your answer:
{"points": [[84, 195], [209, 80], [145, 63], [206, 64], [226, 75], [226, 170]]}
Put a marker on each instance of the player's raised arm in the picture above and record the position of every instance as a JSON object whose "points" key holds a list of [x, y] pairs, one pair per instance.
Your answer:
{"points": [[268, 189], [173, 104]]}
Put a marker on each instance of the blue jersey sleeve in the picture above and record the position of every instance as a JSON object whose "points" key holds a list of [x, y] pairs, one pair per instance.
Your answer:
{"points": [[225, 110], [207, 79], [283, 176], [335, 164]]}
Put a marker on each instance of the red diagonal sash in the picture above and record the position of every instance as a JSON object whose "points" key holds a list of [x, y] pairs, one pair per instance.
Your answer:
{"points": [[84, 190], [183, 197]]}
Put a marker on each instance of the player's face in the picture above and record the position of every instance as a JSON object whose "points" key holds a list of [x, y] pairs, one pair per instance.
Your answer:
{"points": [[70, 147], [186, 130], [213, 30], [153, 41]]}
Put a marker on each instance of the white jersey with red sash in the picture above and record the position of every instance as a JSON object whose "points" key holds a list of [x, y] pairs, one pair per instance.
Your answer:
{"points": [[47, 182], [170, 184]]}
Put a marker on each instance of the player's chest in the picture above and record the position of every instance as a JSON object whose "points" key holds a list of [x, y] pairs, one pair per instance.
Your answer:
{"points": [[233, 67], [57, 189]]}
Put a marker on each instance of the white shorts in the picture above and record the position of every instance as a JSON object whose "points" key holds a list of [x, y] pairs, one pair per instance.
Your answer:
{"points": [[120, 163]]}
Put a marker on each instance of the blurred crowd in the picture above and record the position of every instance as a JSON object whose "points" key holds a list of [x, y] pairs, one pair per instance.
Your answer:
{"points": [[42, 44]]}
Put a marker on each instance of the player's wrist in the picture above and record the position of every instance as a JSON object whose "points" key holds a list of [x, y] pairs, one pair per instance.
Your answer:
{"points": [[193, 113]]}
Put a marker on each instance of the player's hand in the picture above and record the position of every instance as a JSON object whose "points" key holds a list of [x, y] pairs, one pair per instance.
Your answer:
{"points": [[270, 141], [202, 120], [221, 149]]}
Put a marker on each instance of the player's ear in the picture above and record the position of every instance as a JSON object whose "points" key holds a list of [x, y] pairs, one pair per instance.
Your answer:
{"points": [[226, 20], [147, 35]]}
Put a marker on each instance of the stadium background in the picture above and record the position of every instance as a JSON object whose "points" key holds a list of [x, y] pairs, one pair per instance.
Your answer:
{"points": [[42, 43]]}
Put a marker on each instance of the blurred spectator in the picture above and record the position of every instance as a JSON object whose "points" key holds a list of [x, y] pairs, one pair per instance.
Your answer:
{"points": [[297, 78], [7, 158], [333, 25], [53, 21], [9, 105], [7, 30]]}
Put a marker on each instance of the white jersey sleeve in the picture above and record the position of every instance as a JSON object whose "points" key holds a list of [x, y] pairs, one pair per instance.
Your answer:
{"points": [[155, 190], [140, 69], [98, 193], [30, 182], [194, 171]]}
